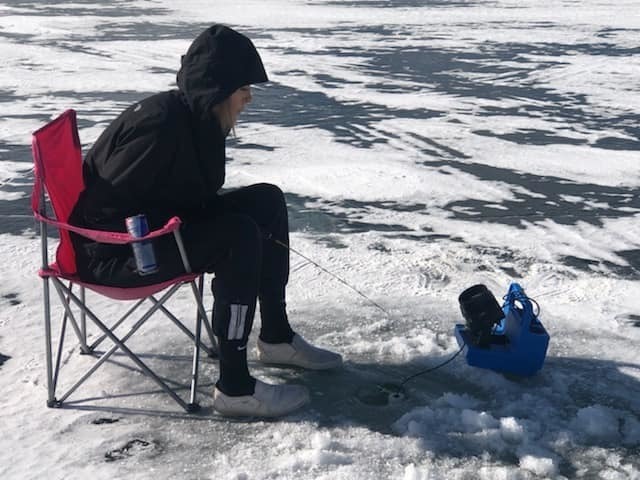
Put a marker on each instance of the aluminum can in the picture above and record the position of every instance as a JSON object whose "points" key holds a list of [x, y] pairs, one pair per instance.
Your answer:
{"points": [[143, 252]]}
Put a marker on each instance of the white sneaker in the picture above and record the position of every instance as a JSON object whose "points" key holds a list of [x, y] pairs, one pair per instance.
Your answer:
{"points": [[267, 401], [298, 353]]}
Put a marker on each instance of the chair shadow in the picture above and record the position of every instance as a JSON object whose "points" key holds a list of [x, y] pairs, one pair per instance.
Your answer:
{"points": [[337, 394], [551, 405]]}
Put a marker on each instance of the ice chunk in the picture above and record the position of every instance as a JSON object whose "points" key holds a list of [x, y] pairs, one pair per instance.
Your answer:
{"points": [[475, 421], [511, 431], [597, 423], [541, 466]]}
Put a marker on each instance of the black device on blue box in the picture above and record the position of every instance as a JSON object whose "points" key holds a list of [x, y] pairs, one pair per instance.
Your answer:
{"points": [[509, 339]]}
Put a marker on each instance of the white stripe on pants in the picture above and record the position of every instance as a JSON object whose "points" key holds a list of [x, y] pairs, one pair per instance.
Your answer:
{"points": [[237, 321]]}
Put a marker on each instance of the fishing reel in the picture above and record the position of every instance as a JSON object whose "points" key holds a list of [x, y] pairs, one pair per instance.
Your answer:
{"points": [[481, 312]]}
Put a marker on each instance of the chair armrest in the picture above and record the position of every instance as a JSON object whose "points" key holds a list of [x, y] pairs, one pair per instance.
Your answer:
{"points": [[117, 238]]}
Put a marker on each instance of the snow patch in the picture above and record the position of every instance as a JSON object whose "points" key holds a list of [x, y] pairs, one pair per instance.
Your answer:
{"points": [[541, 466], [476, 421], [511, 430], [597, 423]]}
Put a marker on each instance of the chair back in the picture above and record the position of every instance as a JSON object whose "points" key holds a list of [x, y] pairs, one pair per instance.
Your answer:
{"points": [[57, 156]]}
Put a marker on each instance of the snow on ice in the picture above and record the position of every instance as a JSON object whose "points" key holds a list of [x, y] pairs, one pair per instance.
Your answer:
{"points": [[424, 146]]}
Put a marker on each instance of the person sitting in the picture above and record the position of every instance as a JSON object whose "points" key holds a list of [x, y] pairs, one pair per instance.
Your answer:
{"points": [[164, 156]]}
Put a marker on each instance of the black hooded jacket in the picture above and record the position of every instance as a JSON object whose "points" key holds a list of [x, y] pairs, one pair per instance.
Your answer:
{"points": [[165, 155]]}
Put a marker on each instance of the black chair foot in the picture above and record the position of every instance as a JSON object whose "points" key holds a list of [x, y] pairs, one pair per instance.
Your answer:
{"points": [[54, 403], [86, 351], [193, 407]]}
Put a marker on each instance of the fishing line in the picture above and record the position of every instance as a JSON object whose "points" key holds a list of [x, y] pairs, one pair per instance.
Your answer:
{"points": [[344, 282], [347, 284], [431, 369], [393, 392]]}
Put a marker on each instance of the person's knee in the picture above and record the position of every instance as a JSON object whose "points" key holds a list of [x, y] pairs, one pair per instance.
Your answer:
{"points": [[271, 194], [243, 233], [238, 271], [244, 251]]}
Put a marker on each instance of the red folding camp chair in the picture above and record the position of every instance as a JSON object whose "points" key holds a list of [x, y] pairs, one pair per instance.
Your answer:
{"points": [[58, 173]]}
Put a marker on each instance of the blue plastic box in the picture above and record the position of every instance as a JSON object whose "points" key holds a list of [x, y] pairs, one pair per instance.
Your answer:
{"points": [[519, 345]]}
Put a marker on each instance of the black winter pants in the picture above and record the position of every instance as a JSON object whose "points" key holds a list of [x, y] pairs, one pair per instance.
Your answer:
{"points": [[234, 240]]}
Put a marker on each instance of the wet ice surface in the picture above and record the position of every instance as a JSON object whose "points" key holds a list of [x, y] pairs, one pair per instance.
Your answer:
{"points": [[423, 147]]}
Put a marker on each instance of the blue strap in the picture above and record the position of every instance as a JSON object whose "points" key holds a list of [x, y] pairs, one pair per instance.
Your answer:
{"points": [[516, 293]]}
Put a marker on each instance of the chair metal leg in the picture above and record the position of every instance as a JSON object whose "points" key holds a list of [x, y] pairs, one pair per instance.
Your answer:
{"points": [[102, 338], [67, 296], [83, 323], [120, 344], [182, 326], [51, 394], [63, 331], [187, 267], [61, 289], [201, 316], [193, 405], [105, 356], [207, 324], [68, 315]]}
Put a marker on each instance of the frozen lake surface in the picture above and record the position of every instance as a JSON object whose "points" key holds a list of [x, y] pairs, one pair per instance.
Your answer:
{"points": [[424, 146]]}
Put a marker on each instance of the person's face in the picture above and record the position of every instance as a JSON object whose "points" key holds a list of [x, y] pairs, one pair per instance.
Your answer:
{"points": [[238, 100]]}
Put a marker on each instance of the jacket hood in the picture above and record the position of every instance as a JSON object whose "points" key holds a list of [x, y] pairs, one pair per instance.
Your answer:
{"points": [[218, 62]]}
